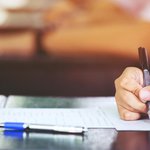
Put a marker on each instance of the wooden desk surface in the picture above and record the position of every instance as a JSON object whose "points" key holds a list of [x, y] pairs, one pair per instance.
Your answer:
{"points": [[96, 139]]}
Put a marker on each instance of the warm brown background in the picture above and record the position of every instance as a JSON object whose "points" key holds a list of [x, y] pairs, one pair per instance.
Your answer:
{"points": [[69, 47]]}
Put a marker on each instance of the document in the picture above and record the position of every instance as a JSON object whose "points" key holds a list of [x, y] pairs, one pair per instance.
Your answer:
{"points": [[109, 108], [105, 115], [85, 117]]}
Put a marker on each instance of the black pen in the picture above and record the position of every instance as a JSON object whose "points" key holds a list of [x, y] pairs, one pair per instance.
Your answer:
{"points": [[143, 57]]}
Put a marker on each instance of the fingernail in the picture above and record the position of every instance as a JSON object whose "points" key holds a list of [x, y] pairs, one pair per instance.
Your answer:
{"points": [[144, 95]]}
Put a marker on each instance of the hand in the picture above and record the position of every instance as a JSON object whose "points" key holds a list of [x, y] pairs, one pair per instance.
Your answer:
{"points": [[130, 95]]}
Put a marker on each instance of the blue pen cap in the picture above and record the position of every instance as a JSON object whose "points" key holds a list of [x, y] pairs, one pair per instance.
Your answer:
{"points": [[14, 126]]}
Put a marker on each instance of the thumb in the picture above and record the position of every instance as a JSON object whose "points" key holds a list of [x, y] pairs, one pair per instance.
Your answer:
{"points": [[144, 94]]}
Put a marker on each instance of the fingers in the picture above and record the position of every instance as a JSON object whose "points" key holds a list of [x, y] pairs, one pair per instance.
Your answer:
{"points": [[130, 102], [133, 73], [130, 80], [128, 115], [130, 85], [128, 94]]}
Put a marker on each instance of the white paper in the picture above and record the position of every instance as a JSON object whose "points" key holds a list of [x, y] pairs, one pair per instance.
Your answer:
{"points": [[105, 115], [110, 110], [86, 117]]}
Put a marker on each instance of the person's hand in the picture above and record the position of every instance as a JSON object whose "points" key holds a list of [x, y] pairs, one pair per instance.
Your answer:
{"points": [[130, 95]]}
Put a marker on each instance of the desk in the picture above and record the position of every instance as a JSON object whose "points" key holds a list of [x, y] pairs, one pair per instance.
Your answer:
{"points": [[96, 139]]}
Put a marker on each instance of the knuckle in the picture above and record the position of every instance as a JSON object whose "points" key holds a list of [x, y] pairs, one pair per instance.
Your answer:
{"points": [[122, 113], [123, 82], [128, 69], [127, 116], [142, 108]]}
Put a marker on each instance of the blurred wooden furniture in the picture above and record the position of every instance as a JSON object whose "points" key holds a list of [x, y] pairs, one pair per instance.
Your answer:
{"points": [[38, 61]]}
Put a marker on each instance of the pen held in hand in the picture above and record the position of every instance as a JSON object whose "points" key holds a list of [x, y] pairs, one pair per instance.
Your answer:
{"points": [[143, 58]]}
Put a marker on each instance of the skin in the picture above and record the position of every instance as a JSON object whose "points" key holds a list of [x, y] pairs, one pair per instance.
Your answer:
{"points": [[130, 95]]}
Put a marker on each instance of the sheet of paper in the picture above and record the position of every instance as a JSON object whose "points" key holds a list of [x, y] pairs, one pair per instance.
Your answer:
{"points": [[110, 110], [105, 115], [86, 117]]}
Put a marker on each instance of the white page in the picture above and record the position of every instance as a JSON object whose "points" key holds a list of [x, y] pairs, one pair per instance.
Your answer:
{"points": [[110, 109], [86, 117], [104, 116]]}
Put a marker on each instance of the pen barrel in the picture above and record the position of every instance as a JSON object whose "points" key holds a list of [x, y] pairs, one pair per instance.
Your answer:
{"points": [[146, 77], [63, 129]]}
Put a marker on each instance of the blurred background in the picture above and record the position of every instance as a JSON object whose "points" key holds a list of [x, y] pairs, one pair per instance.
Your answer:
{"points": [[69, 47]]}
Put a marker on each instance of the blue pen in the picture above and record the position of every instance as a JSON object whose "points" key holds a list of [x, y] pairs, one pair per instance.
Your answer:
{"points": [[53, 128]]}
